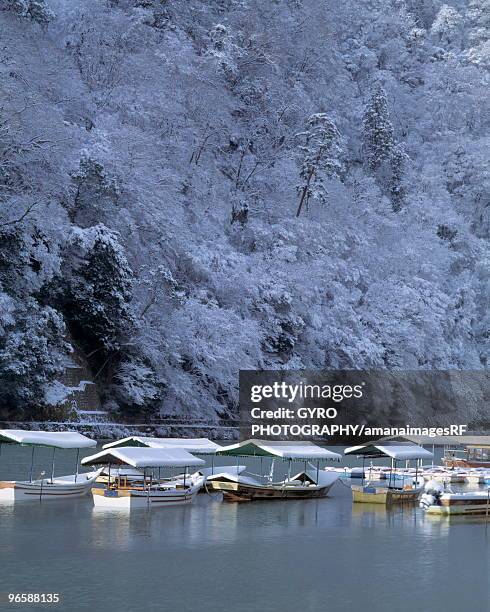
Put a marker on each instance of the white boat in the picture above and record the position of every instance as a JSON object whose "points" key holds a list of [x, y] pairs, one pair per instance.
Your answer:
{"points": [[400, 486], [152, 491], [437, 502], [309, 483], [60, 487]]}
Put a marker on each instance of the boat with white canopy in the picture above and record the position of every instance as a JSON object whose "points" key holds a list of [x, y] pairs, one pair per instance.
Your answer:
{"points": [[152, 490], [73, 485], [198, 446], [309, 483], [399, 487]]}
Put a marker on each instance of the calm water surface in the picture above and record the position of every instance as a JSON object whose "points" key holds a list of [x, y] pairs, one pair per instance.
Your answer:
{"points": [[290, 556]]}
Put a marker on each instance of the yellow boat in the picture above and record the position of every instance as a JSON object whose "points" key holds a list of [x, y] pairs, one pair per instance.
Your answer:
{"points": [[370, 494], [395, 491]]}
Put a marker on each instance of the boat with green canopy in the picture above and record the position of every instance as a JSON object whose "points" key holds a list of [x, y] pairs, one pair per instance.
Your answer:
{"points": [[310, 482], [73, 485], [397, 489]]}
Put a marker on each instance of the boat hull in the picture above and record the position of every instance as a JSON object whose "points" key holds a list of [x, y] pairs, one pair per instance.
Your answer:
{"points": [[236, 491], [134, 498], [61, 488], [384, 495], [462, 504]]}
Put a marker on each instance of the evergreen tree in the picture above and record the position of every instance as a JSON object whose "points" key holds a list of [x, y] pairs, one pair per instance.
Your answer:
{"points": [[320, 158], [31, 345], [97, 298], [398, 161], [377, 130]]}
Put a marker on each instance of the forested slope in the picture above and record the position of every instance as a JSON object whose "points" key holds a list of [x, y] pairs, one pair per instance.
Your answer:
{"points": [[188, 188]]}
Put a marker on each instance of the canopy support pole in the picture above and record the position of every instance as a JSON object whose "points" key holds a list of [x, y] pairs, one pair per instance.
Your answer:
{"points": [[148, 490], [52, 464], [362, 475], [109, 477], [212, 464], [32, 464], [305, 474], [76, 467], [317, 470]]}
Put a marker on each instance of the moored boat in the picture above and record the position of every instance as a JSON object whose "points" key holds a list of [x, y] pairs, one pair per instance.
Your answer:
{"points": [[400, 486], [437, 502], [152, 490], [473, 456], [311, 482], [43, 488]]}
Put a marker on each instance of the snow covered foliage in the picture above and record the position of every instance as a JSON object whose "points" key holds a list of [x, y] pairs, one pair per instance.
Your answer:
{"points": [[153, 158], [320, 158], [377, 129], [35, 10]]}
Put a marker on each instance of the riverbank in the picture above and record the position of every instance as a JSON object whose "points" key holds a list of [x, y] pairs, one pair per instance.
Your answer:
{"points": [[108, 430]]}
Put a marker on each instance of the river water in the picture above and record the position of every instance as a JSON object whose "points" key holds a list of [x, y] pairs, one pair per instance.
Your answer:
{"points": [[291, 556]]}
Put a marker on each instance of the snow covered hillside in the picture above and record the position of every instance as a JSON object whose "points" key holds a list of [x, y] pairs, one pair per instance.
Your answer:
{"points": [[190, 188]]}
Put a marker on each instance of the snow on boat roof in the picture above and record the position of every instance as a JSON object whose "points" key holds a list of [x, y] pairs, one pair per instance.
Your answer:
{"points": [[279, 448], [202, 446], [55, 439], [143, 457], [395, 451]]}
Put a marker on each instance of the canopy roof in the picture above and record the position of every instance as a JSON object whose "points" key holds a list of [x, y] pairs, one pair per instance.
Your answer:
{"points": [[55, 439], [201, 446], [277, 448], [438, 440], [374, 450], [143, 457]]}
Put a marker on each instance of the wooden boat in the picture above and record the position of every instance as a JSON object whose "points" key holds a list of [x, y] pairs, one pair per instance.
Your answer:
{"points": [[474, 456], [60, 487], [151, 491], [386, 495], [303, 485], [309, 483], [437, 502], [401, 487]]}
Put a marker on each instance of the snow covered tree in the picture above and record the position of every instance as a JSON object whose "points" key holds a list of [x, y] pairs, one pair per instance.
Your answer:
{"points": [[35, 10], [447, 25], [96, 294], [320, 150], [377, 130], [478, 27], [137, 389], [96, 194], [31, 346], [398, 161]]}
